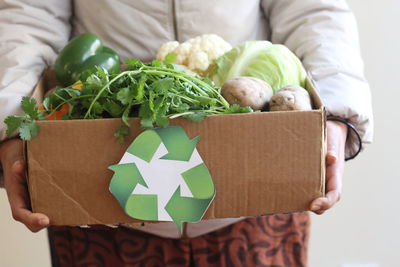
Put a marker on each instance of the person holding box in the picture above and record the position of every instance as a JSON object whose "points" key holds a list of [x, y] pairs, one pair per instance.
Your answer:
{"points": [[323, 34]]}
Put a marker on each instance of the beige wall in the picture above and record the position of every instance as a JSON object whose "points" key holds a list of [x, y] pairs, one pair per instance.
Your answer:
{"points": [[363, 228], [18, 246]]}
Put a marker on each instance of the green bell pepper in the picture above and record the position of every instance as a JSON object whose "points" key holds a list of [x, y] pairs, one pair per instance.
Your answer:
{"points": [[82, 53]]}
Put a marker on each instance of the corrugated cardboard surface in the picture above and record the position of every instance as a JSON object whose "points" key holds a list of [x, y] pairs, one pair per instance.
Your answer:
{"points": [[261, 163]]}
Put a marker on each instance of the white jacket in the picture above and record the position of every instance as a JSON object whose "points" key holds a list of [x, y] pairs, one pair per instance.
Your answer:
{"points": [[322, 33]]}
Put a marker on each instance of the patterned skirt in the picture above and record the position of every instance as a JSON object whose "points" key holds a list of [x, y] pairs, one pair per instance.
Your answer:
{"points": [[267, 241]]}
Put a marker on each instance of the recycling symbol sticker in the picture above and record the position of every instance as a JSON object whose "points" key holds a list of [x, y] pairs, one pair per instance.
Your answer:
{"points": [[161, 177]]}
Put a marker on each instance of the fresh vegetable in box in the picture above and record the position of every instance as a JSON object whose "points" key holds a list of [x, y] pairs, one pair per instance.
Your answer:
{"points": [[161, 90], [196, 54], [82, 53], [247, 91], [275, 64], [290, 97]]}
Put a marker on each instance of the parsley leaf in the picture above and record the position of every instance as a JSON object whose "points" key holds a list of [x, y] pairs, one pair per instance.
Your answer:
{"points": [[46, 103], [97, 108], [28, 105], [113, 108], [163, 85], [140, 88], [170, 58], [13, 123], [27, 130], [125, 116], [125, 96], [93, 83], [235, 108], [156, 63], [162, 121], [146, 123], [133, 64], [196, 117], [121, 133]]}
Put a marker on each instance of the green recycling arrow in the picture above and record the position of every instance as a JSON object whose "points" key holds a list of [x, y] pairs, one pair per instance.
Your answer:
{"points": [[181, 154], [187, 209], [179, 146], [126, 177]]}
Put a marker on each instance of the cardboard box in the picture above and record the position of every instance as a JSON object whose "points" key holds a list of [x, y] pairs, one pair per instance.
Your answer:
{"points": [[261, 163]]}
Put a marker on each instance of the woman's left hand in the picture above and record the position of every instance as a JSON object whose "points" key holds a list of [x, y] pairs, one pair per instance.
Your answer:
{"points": [[336, 140]]}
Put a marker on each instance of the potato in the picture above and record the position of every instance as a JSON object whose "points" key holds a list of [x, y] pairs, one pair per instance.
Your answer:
{"points": [[247, 91], [291, 97]]}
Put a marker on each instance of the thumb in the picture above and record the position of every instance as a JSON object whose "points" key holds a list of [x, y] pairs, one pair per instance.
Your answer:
{"points": [[336, 138], [332, 150], [331, 157], [18, 167]]}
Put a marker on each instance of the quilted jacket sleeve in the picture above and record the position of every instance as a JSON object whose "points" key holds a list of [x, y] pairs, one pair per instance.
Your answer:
{"points": [[323, 33], [31, 34]]}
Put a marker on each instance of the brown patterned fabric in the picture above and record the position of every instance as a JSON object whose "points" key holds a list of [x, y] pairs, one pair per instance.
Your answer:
{"points": [[267, 241]]}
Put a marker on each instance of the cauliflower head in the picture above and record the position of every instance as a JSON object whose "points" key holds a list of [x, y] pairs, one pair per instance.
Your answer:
{"points": [[198, 53]]}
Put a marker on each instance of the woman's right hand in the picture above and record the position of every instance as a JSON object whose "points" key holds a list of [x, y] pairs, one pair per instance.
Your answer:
{"points": [[12, 160]]}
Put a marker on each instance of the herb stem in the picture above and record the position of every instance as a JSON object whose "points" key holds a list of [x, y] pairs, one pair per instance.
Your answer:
{"points": [[176, 115], [191, 100], [60, 97], [107, 85], [199, 81], [67, 101], [198, 89]]}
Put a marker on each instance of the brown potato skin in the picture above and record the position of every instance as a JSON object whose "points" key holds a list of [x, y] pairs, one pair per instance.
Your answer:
{"points": [[291, 97], [247, 91]]}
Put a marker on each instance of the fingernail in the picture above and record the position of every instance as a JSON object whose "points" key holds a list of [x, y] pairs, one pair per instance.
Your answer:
{"points": [[315, 207], [18, 163], [331, 157], [43, 221]]}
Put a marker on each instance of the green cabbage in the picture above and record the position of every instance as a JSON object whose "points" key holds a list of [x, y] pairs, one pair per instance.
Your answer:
{"points": [[273, 63]]}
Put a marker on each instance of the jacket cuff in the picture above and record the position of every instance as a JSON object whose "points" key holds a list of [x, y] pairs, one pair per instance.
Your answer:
{"points": [[353, 140]]}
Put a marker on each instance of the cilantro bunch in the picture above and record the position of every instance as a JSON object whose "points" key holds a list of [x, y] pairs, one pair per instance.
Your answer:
{"points": [[154, 92], [26, 123]]}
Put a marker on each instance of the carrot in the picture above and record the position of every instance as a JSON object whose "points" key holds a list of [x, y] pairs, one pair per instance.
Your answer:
{"points": [[57, 115]]}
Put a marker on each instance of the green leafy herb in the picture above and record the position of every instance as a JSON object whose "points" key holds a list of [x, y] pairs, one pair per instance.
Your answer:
{"points": [[170, 58], [121, 133], [196, 117], [125, 96], [155, 92], [27, 130], [26, 123], [13, 123], [113, 108], [146, 123], [28, 105], [235, 108]]}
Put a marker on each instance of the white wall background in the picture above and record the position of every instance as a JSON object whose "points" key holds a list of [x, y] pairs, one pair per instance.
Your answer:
{"points": [[364, 227]]}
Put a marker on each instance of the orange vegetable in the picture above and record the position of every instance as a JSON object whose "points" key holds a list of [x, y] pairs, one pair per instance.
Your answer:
{"points": [[57, 115]]}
